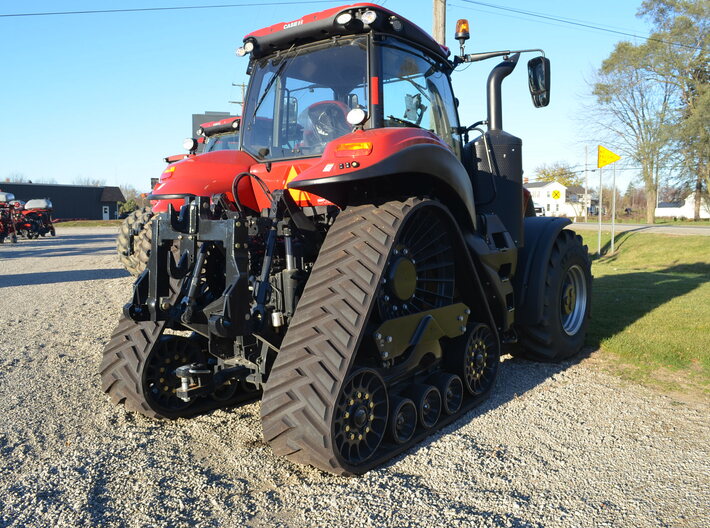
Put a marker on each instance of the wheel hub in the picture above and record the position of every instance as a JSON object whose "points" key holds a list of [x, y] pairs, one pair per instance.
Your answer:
{"points": [[573, 300], [569, 298], [403, 278]]}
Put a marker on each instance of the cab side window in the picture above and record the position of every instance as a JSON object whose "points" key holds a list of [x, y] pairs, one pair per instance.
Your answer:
{"points": [[417, 93]]}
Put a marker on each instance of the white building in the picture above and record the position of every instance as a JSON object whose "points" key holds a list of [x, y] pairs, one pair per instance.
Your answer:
{"points": [[558, 200], [684, 209]]}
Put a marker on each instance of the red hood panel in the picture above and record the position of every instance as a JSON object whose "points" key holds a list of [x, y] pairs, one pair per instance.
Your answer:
{"points": [[204, 175]]}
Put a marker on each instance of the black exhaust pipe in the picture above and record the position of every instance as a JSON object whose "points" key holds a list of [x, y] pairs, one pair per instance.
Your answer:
{"points": [[495, 79]]}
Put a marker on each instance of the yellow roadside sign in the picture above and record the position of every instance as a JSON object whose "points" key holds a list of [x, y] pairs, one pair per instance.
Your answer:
{"points": [[556, 194], [605, 157]]}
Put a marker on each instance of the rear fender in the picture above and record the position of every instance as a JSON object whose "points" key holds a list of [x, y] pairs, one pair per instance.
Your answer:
{"points": [[426, 168], [529, 282]]}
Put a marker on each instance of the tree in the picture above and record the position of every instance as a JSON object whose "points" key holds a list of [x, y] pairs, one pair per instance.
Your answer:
{"points": [[560, 172], [16, 177], [679, 47], [636, 112], [134, 199], [89, 182]]}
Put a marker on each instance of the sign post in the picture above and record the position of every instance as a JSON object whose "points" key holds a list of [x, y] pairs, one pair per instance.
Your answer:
{"points": [[604, 158]]}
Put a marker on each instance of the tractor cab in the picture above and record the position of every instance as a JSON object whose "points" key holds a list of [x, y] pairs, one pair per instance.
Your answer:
{"points": [[377, 70], [339, 84]]}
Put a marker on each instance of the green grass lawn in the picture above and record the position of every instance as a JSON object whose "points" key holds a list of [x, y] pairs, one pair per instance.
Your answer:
{"points": [[651, 309], [89, 223], [640, 220]]}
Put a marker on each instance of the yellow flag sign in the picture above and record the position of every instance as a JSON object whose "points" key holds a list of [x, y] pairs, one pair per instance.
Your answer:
{"points": [[605, 157]]}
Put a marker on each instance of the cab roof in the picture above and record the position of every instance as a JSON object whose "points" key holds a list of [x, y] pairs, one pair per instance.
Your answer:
{"points": [[323, 25]]}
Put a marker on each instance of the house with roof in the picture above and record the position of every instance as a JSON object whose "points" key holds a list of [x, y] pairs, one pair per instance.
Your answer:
{"points": [[682, 209], [556, 199]]}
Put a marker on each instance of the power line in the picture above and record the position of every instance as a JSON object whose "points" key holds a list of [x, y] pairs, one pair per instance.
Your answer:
{"points": [[575, 23], [174, 8]]}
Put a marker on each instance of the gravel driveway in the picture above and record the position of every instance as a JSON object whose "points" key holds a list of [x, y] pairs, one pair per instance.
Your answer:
{"points": [[556, 445]]}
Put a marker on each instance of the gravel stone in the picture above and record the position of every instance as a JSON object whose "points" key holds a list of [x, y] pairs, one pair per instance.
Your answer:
{"points": [[555, 446]]}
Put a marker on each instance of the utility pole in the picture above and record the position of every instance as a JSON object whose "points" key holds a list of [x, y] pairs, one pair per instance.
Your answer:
{"points": [[599, 210], [439, 20], [243, 86], [586, 183]]}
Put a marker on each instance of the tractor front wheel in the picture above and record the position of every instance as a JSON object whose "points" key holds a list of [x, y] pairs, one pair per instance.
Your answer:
{"points": [[566, 304], [134, 239]]}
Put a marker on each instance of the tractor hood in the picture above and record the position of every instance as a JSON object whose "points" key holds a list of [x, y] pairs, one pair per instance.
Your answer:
{"points": [[204, 175]]}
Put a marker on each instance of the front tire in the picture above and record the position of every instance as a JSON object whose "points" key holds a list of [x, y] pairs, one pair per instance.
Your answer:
{"points": [[566, 304], [134, 239]]}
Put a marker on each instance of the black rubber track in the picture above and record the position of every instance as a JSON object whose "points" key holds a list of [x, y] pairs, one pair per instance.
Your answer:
{"points": [[122, 370], [547, 341], [316, 355]]}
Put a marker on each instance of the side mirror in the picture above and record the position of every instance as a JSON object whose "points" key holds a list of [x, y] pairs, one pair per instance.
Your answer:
{"points": [[539, 81]]}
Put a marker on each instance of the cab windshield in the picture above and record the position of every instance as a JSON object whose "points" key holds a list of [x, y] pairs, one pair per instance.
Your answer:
{"points": [[226, 141], [298, 101]]}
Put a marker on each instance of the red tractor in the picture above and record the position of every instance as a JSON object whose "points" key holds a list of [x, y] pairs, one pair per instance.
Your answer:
{"points": [[358, 263], [7, 217], [133, 241]]}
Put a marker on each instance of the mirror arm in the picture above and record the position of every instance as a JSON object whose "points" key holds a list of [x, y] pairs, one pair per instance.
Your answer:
{"points": [[475, 57]]}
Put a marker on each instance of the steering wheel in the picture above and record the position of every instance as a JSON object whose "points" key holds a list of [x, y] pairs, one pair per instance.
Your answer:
{"points": [[329, 120]]}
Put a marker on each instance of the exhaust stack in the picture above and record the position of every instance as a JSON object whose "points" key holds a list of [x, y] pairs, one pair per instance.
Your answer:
{"points": [[495, 79]]}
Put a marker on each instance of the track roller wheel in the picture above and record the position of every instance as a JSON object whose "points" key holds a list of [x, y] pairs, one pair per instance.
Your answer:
{"points": [[451, 389], [427, 398], [475, 357], [159, 379], [403, 420], [360, 416]]}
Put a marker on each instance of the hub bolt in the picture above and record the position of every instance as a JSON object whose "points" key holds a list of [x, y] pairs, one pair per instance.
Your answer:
{"points": [[388, 339], [459, 318]]}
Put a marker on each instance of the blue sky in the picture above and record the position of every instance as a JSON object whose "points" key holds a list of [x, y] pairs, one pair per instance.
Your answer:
{"points": [[108, 96]]}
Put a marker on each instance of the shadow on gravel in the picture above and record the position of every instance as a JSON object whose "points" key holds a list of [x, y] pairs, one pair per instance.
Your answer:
{"points": [[515, 378], [61, 247], [53, 277]]}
